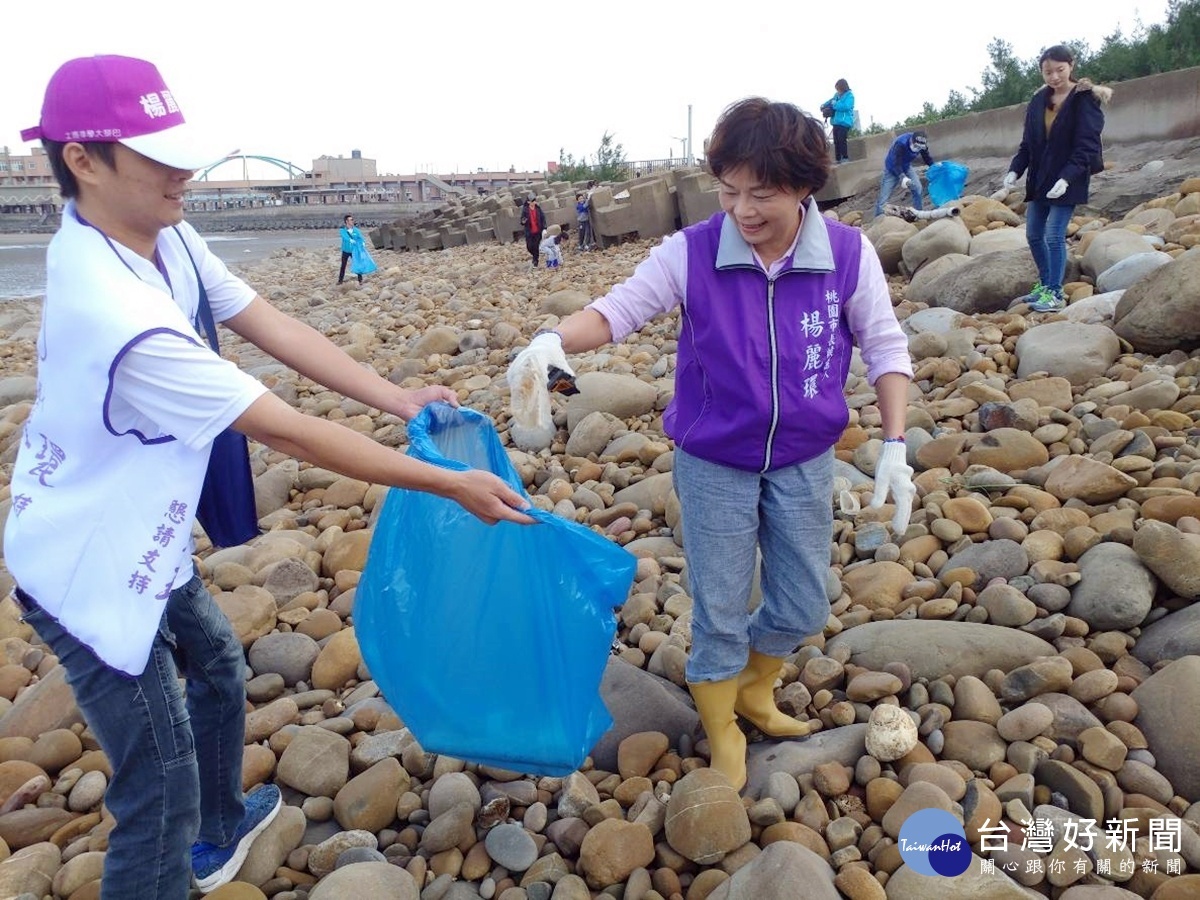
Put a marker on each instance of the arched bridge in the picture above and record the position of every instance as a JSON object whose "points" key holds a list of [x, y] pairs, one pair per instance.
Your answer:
{"points": [[293, 170]]}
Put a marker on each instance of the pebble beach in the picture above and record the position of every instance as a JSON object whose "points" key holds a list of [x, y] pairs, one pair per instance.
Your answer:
{"points": [[1024, 657]]}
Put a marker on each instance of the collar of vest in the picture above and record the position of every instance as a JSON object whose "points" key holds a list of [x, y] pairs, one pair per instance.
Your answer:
{"points": [[811, 252]]}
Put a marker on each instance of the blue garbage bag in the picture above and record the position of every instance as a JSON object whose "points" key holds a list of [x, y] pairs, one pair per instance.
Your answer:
{"points": [[488, 641], [361, 262], [947, 179]]}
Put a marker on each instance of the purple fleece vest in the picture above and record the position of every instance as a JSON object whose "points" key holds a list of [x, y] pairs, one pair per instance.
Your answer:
{"points": [[762, 363]]}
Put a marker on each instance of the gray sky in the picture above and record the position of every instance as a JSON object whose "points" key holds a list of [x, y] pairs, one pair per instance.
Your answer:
{"points": [[453, 86]]}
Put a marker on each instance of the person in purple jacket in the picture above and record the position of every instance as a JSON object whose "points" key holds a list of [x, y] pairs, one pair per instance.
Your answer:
{"points": [[772, 298]]}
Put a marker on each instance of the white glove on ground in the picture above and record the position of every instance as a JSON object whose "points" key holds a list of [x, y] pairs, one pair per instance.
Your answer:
{"points": [[1060, 188], [905, 182], [894, 475], [1010, 179], [545, 350]]}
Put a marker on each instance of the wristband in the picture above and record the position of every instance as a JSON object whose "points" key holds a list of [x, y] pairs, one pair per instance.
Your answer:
{"points": [[549, 331], [894, 440]]}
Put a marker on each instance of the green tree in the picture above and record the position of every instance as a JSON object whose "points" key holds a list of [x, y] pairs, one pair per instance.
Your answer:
{"points": [[608, 164], [1007, 81]]}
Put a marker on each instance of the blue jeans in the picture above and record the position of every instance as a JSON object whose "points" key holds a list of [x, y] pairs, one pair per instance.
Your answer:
{"points": [[888, 183], [728, 514], [1046, 231], [177, 763]]}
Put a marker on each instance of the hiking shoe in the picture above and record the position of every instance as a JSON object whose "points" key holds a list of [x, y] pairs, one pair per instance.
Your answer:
{"points": [[1029, 299], [214, 866], [1049, 301]]}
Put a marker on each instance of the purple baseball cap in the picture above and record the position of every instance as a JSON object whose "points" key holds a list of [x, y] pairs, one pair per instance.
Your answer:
{"points": [[123, 100]]}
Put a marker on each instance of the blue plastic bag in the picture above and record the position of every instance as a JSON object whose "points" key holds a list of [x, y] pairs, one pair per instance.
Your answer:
{"points": [[947, 179], [488, 641], [361, 262]]}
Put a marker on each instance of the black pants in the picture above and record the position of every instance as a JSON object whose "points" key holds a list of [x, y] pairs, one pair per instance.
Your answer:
{"points": [[342, 271], [840, 151], [533, 243]]}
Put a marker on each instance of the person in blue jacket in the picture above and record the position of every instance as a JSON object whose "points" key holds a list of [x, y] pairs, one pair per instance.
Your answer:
{"points": [[350, 237], [841, 104], [898, 170], [1060, 149]]}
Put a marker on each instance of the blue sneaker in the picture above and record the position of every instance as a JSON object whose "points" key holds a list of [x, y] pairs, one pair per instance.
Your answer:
{"points": [[214, 866], [1049, 300], [1029, 299]]}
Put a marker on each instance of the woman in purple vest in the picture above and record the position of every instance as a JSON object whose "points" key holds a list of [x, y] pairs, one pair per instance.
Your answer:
{"points": [[772, 297]]}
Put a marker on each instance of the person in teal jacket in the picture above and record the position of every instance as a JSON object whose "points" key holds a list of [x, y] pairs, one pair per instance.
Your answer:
{"points": [[841, 106], [350, 237]]}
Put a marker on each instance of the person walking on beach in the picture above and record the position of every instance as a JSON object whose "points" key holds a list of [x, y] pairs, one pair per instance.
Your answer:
{"points": [[1059, 152], [841, 118], [534, 222], [898, 170], [351, 238], [114, 452], [773, 298]]}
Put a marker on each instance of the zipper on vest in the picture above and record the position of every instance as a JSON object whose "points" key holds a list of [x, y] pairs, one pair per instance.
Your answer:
{"points": [[771, 337]]}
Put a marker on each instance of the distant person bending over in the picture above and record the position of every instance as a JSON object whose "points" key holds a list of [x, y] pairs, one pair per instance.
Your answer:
{"points": [[1059, 152], [549, 246], [841, 104], [898, 170], [108, 475], [534, 222], [772, 299], [350, 237]]}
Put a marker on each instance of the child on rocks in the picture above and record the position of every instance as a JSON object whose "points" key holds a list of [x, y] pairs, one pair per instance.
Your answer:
{"points": [[549, 246]]}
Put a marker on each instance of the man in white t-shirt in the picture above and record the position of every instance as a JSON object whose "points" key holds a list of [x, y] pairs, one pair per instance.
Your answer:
{"points": [[114, 452]]}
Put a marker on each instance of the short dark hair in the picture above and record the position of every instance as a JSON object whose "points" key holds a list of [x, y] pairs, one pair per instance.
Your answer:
{"points": [[347, 217], [68, 186], [781, 145], [1058, 53]]}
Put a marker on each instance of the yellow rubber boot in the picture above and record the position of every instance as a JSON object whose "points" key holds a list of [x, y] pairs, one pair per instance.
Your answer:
{"points": [[756, 698], [727, 744]]}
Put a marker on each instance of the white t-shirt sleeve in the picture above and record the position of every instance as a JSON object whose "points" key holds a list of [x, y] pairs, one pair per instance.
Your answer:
{"points": [[228, 295], [166, 384]]}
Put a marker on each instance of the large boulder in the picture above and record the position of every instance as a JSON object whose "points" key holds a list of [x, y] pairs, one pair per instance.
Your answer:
{"points": [[932, 648], [919, 286], [1130, 271], [987, 284], [938, 239], [1076, 352], [1108, 248], [1161, 312], [998, 240], [1167, 703]]}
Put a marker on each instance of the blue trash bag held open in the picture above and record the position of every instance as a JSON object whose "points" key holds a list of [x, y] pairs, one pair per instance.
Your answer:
{"points": [[947, 179], [361, 262], [488, 641]]}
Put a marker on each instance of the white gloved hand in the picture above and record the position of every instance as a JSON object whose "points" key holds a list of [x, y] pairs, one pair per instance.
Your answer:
{"points": [[545, 350], [1010, 179], [905, 182], [1060, 188], [894, 475]]}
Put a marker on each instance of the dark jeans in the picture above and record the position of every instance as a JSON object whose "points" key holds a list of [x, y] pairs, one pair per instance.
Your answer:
{"points": [[840, 152], [176, 759], [342, 272], [585, 234], [533, 243]]}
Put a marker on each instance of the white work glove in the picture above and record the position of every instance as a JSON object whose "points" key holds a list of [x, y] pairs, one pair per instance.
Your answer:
{"points": [[1009, 180], [1060, 188], [894, 475], [905, 182], [544, 351]]}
